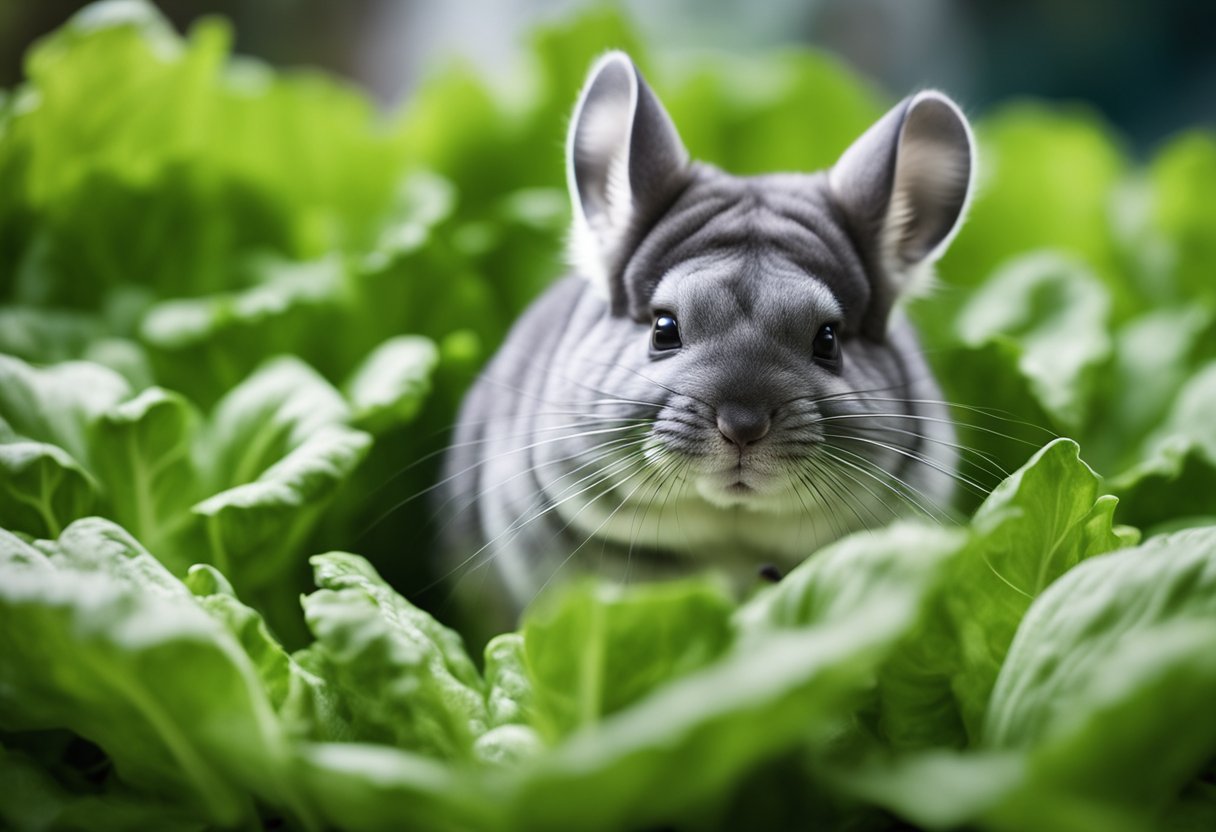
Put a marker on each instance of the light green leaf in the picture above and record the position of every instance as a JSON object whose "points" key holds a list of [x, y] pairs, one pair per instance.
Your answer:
{"points": [[267, 415], [306, 707], [278, 447], [389, 387], [405, 679], [1034, 527], [1099, 611], [1078, 707], [141, 450], [1155, 355], [1050, 317], [373, 787], [509, 695], [45, 335], [57, 404], [796, 110], [1176, 473], [283, 287], [254, 528], [43, 488], [101, 640], [807, 650], [598, 648]]}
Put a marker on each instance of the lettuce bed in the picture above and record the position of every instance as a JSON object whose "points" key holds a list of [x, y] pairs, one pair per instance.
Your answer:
{"points": [[238, 306]]}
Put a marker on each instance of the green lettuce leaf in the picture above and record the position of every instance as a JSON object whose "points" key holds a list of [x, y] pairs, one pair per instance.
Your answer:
{"points": [[1034, 527], [98, 638], [1049, 317], [278, 446], [43, 488], [1078, 707], [389, 387], [46, 414], [1176, 475], [598, 648], [405, 679], [306, 706], [141, 449]]}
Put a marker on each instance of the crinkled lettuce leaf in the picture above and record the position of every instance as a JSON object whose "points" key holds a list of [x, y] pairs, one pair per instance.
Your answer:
{"points": [[405, 679], [100, 639], [1101, 714]]}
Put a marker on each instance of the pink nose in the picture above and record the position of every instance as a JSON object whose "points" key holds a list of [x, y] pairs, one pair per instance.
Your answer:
{"points": [[742, 425]]}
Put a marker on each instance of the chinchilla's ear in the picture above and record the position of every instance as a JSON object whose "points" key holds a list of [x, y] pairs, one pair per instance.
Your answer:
{"points": [[624, 162], [904, 186]]}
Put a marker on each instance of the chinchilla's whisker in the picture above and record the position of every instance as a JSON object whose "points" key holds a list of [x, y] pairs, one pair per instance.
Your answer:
{"points": [[593, 534], [624, 471], [405, 469], [935, 513], [667, 469], [880, 414], [905, 489], [834, 479], [613, 396], [397, 506], [965, 452], [816, 398], [988, 413], [597, 453], [605, 425], [573, 403], [831, 479], [828, 497], [795, 479], [826, 503], [516, 527], [834, 470], [678, 474], [581, 415], [915, 457]]}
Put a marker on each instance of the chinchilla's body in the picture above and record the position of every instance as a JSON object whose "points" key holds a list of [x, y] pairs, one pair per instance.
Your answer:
{"points": [[724, 382]]}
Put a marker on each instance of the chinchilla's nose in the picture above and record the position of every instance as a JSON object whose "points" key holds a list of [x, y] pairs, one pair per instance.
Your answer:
{"points": [[741, 424]]}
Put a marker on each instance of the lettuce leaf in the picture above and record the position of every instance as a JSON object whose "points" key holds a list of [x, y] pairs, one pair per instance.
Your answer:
{"points": [[99, 638]]}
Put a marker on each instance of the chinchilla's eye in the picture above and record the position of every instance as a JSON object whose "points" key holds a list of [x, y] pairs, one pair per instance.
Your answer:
{"points": [[827, 345], [666, 333]]}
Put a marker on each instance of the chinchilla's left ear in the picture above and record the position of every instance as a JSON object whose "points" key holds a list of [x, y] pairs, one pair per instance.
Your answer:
{"points": [[904, 186], [624, 161]]}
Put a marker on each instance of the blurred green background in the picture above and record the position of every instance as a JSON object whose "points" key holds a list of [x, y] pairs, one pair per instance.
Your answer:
{"points": [[1149, 66]]}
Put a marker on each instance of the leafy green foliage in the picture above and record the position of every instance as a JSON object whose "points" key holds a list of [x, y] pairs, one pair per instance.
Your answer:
{"points": [[237, 312]]}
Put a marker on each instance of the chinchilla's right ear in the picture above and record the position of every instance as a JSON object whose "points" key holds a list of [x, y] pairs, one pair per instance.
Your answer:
{"points": [[624, 163], [905, 185]]}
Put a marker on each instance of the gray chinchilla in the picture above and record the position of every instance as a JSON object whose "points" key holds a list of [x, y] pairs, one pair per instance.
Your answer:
{"points": [[726, 380]]}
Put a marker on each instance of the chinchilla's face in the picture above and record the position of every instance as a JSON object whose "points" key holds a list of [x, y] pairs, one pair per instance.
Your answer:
{"points": [[756, 313]]}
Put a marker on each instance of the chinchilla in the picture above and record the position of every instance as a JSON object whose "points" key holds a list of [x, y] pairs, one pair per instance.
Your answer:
{"points": [[726, 379]]}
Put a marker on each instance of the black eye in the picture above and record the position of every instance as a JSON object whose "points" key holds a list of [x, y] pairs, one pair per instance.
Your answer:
{"points": [[666, 333], [827, 345]]}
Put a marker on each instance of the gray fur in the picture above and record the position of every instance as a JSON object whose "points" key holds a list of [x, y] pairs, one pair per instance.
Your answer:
{"points": [[581, 450]]}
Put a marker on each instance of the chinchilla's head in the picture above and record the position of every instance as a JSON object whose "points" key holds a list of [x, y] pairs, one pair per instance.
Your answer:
{"points": [[758, 315]]}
